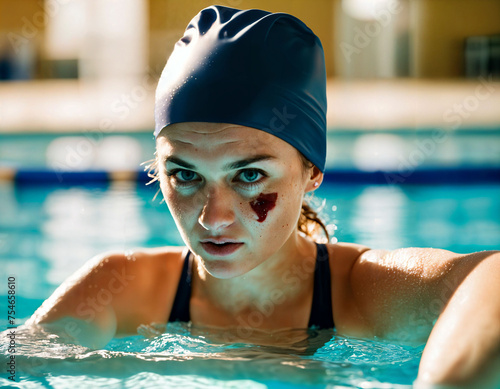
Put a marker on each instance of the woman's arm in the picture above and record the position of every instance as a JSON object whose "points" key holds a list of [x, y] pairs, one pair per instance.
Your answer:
{"points": [[464, 345], [81, 310], [402, 293], [113, 294]]}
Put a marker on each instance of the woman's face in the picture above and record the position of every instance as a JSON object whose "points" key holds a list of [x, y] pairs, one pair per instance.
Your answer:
{"points": [[229, 183]]}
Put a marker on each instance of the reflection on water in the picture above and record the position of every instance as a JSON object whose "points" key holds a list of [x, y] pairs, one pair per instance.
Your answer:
{"points": [[380, 211], [85, 219], [460, 218], [296, 359]]}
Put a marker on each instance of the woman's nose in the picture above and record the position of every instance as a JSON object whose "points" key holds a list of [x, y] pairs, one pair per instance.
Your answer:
{"points": [[217, 212]]}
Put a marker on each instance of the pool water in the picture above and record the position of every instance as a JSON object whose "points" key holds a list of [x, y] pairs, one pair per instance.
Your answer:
{"points": [[48, 232], [179, 358]]}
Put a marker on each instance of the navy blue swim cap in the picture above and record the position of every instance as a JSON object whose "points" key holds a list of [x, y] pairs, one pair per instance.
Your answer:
{"points": [[252, 68]]}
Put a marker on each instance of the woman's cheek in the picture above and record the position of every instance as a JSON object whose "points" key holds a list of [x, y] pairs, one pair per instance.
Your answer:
{"points": [[183, 205], [288, 207], [177, 203], [275, 205]]}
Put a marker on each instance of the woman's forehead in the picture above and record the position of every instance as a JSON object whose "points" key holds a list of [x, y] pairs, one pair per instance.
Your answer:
{"points": [[218, 135]]}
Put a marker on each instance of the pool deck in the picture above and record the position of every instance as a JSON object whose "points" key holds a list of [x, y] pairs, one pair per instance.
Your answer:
{"points": [[110, 106]]}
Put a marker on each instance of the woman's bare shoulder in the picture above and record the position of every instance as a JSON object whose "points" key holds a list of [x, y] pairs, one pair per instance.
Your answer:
{"points": [[113, 278], [134, 264], [167, 258], [343, 256], [142, 263], [347, 317]]}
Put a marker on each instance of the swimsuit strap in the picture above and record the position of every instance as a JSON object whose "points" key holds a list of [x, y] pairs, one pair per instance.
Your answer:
{"points": [[180, 308], [321, 310]]}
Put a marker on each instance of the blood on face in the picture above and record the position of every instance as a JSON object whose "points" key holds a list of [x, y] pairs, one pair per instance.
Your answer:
{"points": [[263, 204]]}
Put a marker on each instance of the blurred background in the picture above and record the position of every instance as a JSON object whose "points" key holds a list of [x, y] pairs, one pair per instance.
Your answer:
{"points": [[90, 68], [413, 124]]}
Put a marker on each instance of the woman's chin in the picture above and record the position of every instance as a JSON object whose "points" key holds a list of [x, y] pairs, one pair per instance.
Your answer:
{"points": [[222, 268]]}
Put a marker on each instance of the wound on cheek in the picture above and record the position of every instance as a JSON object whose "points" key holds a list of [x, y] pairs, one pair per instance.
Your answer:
{"points": [[263, 204]]}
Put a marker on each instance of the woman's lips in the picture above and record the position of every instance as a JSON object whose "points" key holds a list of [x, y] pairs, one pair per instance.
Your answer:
{"points": [[220, 249]]}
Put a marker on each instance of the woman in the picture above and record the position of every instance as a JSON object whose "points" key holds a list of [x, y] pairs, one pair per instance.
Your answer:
{"points": [[241, 138]]}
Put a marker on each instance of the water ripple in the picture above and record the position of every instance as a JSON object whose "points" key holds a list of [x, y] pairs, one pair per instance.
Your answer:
{"points": [[194, 357]]}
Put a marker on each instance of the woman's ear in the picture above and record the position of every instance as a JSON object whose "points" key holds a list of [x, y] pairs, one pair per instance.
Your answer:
{"points": [[315, 179]]}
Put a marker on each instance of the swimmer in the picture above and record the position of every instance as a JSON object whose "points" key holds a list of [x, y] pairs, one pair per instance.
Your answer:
{"points": [[240, 139]]}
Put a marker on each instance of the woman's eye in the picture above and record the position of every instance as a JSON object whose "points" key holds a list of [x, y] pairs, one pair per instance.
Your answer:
{"points": [[186, 175], [182, 176], [250, 175], [251, 179]]}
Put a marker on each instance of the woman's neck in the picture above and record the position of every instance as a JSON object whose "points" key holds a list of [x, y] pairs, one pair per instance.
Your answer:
{"points": [[282, 279]]}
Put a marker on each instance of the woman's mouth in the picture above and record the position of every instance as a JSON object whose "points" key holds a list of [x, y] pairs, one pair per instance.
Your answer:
{"points": [[221, 249]]}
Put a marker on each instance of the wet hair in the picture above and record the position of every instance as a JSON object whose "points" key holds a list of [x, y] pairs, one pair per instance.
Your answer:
{"points": [[309, 222]]}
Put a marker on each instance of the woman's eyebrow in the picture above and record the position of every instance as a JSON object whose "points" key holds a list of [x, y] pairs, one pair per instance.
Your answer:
{"points": [[230, 166], [248, 161], [179, 162]]}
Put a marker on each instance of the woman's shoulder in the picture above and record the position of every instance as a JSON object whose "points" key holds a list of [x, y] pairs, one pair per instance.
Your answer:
{"points": [[167, 257], [143, 272], [344, 255], [138, 261], [152, 276], [118, 279], [137, 264], [164, 253], [347, 317]]}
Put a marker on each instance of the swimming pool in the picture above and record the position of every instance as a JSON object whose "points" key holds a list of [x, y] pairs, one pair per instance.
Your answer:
{"points": [[48, 231]]}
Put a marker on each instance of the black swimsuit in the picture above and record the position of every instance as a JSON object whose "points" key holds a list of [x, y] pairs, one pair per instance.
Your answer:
{"points": [[321, 311]]}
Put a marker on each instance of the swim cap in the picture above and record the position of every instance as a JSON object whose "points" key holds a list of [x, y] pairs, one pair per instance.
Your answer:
{"points": [[252, 68]]}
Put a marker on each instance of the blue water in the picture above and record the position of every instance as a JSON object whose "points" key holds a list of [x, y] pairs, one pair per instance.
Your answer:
{"points": [[48, 232], [179, 358]]}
